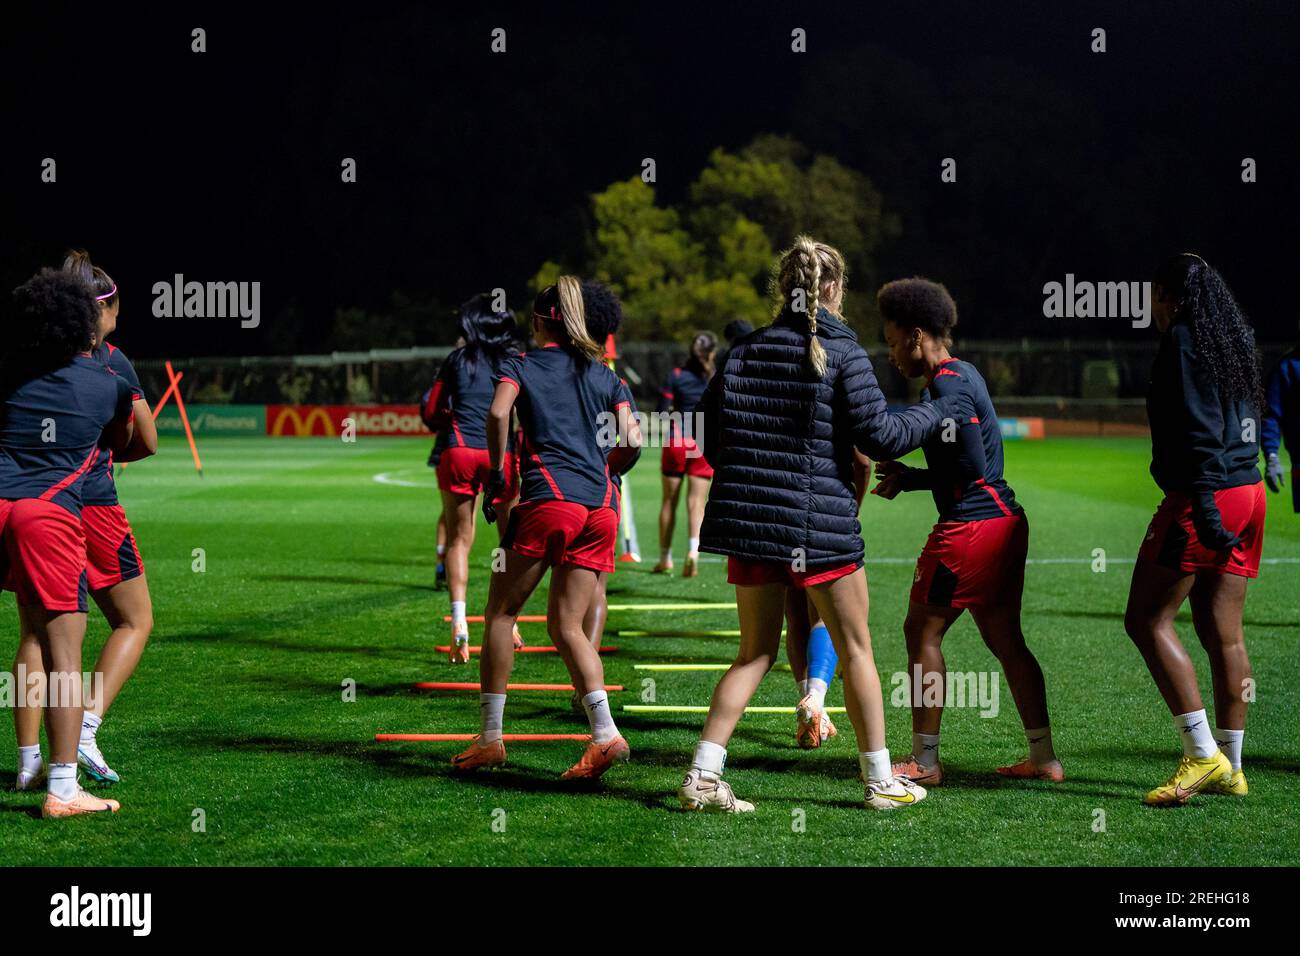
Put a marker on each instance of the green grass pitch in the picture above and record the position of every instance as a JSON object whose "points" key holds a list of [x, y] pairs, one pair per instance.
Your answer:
{"points": [[317, 574]]}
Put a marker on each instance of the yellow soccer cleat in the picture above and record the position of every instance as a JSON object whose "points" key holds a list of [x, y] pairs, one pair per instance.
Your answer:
{"points": [[1191, 777], [1235, 786]]}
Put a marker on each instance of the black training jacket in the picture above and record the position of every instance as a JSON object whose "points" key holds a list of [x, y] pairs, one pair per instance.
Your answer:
{"points": [[781, 444], [1198, 440]]}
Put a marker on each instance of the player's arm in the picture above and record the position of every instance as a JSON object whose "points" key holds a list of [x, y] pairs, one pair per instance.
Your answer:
{"points": [[498, 422], [877, 431], [144, 434], [628, 451], [435, 411], [121, 428], [1271, 428], [1202, 425], [861, 474]]}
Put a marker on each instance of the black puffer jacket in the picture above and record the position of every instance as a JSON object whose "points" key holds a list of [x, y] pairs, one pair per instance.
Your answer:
{"points": [[781, 444]]}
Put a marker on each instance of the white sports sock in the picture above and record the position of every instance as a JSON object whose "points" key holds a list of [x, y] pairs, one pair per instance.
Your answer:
{"points": [[492, 712], [817, 691], [692, 547], [1040, 746], [709, 758], [29, 759], [596, 704], [63, 780], [925, 748], [442, 549], [801, 688], [666, 555], [1194, 729], [90, 726], [875, 766], [1229, 742], [457, 614]]}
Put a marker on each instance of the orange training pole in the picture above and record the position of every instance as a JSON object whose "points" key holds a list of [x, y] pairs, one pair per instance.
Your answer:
{"points": [[185, 419]]}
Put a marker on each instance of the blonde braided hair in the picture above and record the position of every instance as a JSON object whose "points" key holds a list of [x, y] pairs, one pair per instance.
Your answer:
{"points": [[808, 265]]}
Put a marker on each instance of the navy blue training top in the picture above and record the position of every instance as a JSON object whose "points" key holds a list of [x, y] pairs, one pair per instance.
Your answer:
{"points": [[99, 488], [50, 430], [562, 408], [460, 399], [682, 390], [965, 475], [1198, 439]]}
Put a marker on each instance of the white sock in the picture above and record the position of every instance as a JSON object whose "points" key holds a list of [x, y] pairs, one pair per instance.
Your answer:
{"points": [[801, 690], [1229, 742], [666, 555], [875, 766], [492, 713], [442, 549], [1194, 729], [817, 691], [63, 780], [90, 726], [709, 758], [925, 748], [457, 614], [29, 759], [692, 547], [1040, 746], [596, 704]]}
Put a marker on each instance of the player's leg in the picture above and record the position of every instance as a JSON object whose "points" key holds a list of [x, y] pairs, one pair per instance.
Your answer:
{"points": [[927, 674], [672, 491], [593, 622], [813, 660], [508, 592], [60, 634], [1218, 603], [129, 612], [697, 494], [440, 575], [843, 604], [1155, 595], [798, 626], [504, 505], [572, 590], [999, 625], [29, 703], [760, 610], [458, 510]]}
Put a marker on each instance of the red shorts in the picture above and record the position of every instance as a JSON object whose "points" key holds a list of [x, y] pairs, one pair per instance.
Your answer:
{"points": [[462, 471], [681, 458], [111, 552], [564, 532], [44, 554], [751, 573], [1171, 538], [973, 563]]}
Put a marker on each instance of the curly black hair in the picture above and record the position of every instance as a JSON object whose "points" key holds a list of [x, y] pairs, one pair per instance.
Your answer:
{"points": [[1222, 335], [602, 310], [918, 303], [54, 316]]}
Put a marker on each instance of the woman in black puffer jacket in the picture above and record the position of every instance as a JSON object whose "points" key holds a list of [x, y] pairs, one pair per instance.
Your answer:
{"points": [[781, 421]]}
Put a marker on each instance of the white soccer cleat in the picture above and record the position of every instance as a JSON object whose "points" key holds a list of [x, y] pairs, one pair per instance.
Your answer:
{"points": [[893, 794], [93, 762], [701, 791]]}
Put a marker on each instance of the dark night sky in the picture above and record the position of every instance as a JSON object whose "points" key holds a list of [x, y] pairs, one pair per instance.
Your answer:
{"points": [[474, 168]]}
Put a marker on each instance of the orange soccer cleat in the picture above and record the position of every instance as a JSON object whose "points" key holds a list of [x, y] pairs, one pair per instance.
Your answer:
{"points": [[480, 756], [909, 768], [1028, 770], [81, 802], [597, 759]]}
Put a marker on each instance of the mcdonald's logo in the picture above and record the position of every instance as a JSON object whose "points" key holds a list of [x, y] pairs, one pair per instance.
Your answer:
{"points": [[303, 419]]}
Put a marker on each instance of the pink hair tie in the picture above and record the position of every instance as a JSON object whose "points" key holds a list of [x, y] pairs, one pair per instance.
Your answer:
{"points": [[107, 295]]}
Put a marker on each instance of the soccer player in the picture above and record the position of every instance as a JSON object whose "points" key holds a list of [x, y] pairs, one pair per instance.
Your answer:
{"points": [[781, 424], [681, 459], [440, 442], [1282, 425], [975, 556], [459, 401], [1205, 540], [58, 401], [573, 410]]}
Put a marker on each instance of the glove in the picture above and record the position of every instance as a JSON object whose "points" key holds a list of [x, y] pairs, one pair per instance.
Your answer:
{"points": [[492, 488], [1273, 473], [1209, 524]]}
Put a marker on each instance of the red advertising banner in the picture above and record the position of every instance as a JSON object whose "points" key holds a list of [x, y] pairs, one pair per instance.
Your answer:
{"points": [[329, 421]]}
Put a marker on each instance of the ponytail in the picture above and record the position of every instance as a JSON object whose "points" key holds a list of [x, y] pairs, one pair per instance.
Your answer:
{"points": [[561, 306]]}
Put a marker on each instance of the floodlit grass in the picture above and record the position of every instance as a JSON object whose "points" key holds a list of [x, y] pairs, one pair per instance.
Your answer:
{"points": [[318, 574]]}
